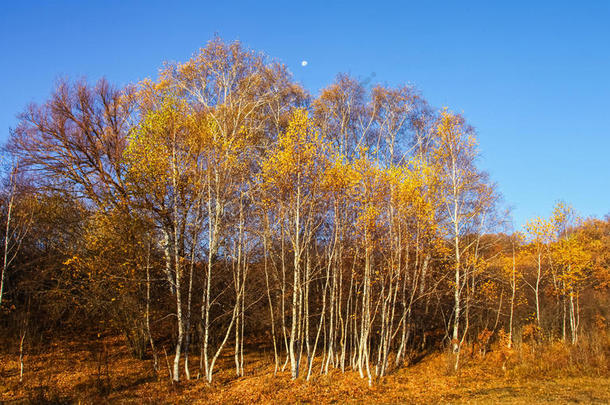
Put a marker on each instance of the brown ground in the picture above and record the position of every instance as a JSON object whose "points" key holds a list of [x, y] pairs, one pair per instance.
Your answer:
{"points": [[71, 372]]}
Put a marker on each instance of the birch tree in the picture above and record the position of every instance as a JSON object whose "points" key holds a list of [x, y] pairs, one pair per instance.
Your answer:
{"points": [[466, 198]]}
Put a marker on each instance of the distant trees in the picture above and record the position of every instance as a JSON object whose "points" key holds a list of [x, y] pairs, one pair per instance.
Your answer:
{"points": [[222, 202]]}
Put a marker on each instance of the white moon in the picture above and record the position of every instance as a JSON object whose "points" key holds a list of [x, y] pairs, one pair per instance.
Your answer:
{"points": [[304, 63]]}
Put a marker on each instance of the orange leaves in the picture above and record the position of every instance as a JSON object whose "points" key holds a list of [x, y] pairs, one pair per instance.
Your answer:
{"points": [[158, 142], [567, 248], [464, 190], [539, 230], [299, 160], [490, 290], [573, 255], [455, 140], [340, 178], [72, 260], [367, 218]]}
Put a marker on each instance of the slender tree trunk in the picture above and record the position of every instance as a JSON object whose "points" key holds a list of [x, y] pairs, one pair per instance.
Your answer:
{"points": [[456, 307], [512, 301], [537, 289], [283, 304], [296, 287], [187, 327], [7, 233], [150, 338], [320, 325], [573, 317], [271, 312], [23, 333], [177, 267]]}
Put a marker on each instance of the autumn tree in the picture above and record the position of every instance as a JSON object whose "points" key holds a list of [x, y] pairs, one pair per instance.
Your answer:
{"points": [[467, 197], [220, 202], [292, 175]]}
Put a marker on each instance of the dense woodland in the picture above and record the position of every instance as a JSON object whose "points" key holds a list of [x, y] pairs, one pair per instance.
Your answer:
{"points": [[222, 204]]}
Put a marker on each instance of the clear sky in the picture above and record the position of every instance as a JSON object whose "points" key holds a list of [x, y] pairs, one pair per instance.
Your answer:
{"points": [[533, 77]]}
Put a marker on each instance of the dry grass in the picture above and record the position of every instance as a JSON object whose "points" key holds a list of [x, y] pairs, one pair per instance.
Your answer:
{"points": [[75, 371]]}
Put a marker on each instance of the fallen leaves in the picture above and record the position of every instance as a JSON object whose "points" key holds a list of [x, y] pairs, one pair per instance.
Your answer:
{"points": [[67, 371]]}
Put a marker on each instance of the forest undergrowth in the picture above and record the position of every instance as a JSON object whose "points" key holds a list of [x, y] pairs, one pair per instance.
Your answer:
{"points": [[101, 369]]}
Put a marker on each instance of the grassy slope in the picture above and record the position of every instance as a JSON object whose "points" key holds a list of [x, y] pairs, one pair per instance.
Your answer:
{"points": [[71, 371]]}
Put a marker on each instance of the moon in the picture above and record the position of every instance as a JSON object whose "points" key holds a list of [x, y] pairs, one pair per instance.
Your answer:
{"points": [[304, 63]]}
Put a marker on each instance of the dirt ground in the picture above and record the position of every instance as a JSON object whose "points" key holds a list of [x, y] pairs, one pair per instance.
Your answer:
{"points": [[70, 371]]}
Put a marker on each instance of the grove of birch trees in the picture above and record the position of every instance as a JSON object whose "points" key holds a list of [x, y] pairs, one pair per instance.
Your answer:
{"points": [[222, 204]]}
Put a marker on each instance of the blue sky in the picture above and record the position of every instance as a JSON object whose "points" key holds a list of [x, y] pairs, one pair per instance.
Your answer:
{"points": [[532, 77]]}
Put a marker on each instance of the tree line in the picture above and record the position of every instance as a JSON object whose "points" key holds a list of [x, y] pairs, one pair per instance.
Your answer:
{"points": [[223, 202]]}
